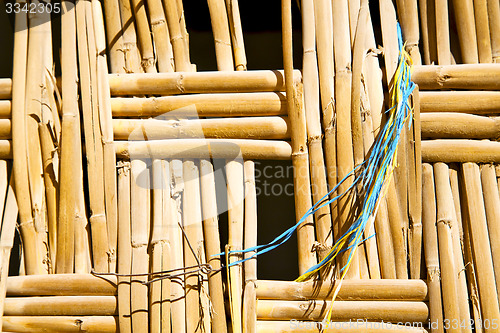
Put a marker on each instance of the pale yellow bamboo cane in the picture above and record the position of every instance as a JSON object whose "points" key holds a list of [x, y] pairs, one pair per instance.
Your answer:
{"points": [[233, 13], [478, 102], [464, 15], [144, 36], [424, 26], [411, 33], [432, 23], [184, 33], [178, 306], [222, 35], [459, 125], [494, 20], [269, 326], [354, 7], [468, 77], [235, 195], [60, 306], [442, 32], [250, 240], [446, 214], [480, 242], [69, 142], [483, 31], [389, 38], [161, 37], [166, 285], [114, 36], [91, 324], [130, 50], [140, 186], [212, 244], [492, 207], [460, 151], [181, 55], [319, 185]]}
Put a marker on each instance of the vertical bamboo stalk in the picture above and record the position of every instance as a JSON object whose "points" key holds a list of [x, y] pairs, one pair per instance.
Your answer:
{"points": [[447, 216], [166, 285], [114, 36], [483, 31], [302, 191], [235, 195], [139, 200], [345, 160], [250, 266], [424, 27], [313, 123], [103, 119], [124, 247], [398, 235], [82, 249], [212, 245], [389, 38], [94, 173], [492, 207], [411, 35], [432, 22], [178, 304], [233, 13], [193, 241], [179, 49], [222, 35], [129, 49], [431, 248], [144, 36], [444, 225], [184, 32], [161, 36], [480, 242], [324, 41], [69, 142], [494, 20], [9, 220], [442, 32], [464, 14]]}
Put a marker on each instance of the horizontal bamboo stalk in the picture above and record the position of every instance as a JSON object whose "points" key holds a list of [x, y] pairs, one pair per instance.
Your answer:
{"points": [[5, 88], [380, 289], [460, 101], [191, 83], [400, 311], [449, 151], [91, 324], [60, 306], [469, 76], [201, 148], [61, 285], [459, 126], [200, 105], [5, 108], [269, 326], [262, 128]]}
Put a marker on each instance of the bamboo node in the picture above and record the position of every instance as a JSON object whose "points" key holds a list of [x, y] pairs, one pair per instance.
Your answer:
{"points": [[434, 273], [447, 222], [220, 41]]}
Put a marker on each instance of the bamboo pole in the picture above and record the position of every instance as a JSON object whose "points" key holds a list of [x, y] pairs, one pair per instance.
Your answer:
{"points": [[446, 215], [483, 31], [388, 311], [144, 36], [352, 290], [91, 324], [442, 32], [323, 223], [235, 195], [269, 326], [250, 240], [161, 37], [202, 105], [324, 40], [494, 20], [155, 288], [106, 135], [222, 35], [140, 186], [389, 38], [431, 252], [411, 31], [492, 210], [69, 142], [484, 102], [432, 21], [60, 306], [424, 27], [262, 128], [468, 77], [9, 219], [459, 125], [233, 13], [130, 50], [124, 247], [204, 148], [203, 82], [177, 39], [114, 36], [480, 242], [212, 244], [449, 151], [166, 285], [464, 13], [345, 161], [92, 142], [20, 169]]}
